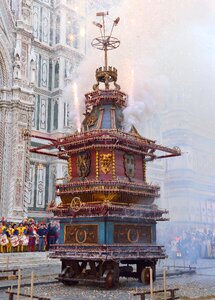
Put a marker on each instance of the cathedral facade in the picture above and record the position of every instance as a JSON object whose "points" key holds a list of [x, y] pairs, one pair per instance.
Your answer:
{"points": [[41, 43]]}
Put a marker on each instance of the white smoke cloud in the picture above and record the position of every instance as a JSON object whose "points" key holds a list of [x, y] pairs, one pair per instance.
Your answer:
{"points": [[170, 47]]}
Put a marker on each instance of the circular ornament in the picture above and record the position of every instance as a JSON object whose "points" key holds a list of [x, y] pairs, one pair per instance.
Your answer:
{"points": [[76, 204]]}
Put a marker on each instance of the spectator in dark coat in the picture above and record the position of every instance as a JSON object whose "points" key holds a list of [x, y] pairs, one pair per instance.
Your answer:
{"points": [[52, 235], [42, 233]]}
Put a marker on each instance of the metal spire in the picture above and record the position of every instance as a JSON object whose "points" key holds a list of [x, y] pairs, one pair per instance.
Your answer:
{"points": [[105, 42]]}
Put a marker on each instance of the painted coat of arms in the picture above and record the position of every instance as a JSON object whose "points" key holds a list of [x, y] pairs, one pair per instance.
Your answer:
{"points": [[129, 165], [105, 160], [83, 164]]}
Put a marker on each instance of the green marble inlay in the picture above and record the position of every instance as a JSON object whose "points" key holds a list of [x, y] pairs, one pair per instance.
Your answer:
{"points": [[35, 190], [50, 74], [47, 186], [55, 120], [39, 72], [49, 114]]}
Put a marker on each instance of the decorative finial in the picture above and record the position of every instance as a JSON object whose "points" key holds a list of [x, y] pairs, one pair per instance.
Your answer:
{"points": [[105, 43]]}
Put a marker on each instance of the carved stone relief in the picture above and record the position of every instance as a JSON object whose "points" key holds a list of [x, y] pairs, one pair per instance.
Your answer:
{"points": [[17, 68], [24, 60], [26, 11]]}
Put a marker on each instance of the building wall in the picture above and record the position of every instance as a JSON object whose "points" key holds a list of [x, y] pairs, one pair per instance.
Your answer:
{"points": [[59, 45], [16, 106], [49, 41]]}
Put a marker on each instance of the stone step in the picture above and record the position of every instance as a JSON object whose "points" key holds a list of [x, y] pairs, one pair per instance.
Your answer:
{"points": [[26, 255], [20, 260]]}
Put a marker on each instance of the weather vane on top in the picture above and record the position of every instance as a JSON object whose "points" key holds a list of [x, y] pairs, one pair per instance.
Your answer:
{"points": [[105, 42]]}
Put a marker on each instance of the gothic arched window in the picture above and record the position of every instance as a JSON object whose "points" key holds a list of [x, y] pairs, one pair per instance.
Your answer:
{"points": [[55, 116]]}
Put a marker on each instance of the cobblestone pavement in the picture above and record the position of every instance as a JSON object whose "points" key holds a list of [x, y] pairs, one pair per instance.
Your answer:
{"points": [[198, 286], [191, 286]]}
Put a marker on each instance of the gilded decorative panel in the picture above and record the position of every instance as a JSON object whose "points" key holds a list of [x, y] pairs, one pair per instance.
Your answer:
{"points": [[128, 233], [105, 161], [91, 119], [81, 234]]}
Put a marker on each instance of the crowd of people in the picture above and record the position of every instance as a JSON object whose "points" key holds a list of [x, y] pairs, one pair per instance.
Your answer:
{"points": [[27, 236], [192, 245]]}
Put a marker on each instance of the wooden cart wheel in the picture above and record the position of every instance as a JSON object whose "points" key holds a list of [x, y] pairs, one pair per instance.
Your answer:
{"points": [[69, 283], [145, 276], [68, 273], [110, 279]]}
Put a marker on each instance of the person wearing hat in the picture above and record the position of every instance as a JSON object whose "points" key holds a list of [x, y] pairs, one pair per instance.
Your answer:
{"points": [[26, 241], [42, 233], [2, 237], [14, 238], [22, 236], [32, 237], [52, 235]]}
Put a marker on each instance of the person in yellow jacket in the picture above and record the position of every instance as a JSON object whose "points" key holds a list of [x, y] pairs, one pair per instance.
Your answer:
{"points": [[2, 232], [9, 232], [22, 236]]}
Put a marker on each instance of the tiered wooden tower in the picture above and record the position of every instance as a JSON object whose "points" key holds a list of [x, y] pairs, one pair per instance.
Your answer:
{"points": [[107, 214]]}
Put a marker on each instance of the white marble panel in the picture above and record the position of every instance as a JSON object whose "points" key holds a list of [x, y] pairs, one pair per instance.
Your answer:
{"points": [[43, 114], [40, 199], [31, 186], [44, 72], [36, 20], [45, 24]]}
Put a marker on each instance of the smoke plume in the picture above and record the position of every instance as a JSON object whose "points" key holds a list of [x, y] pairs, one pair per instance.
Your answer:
{"points": [[166, 55]]}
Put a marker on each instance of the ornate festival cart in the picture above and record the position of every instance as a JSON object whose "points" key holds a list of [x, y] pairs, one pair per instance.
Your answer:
{"points": [[107, 212]]}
